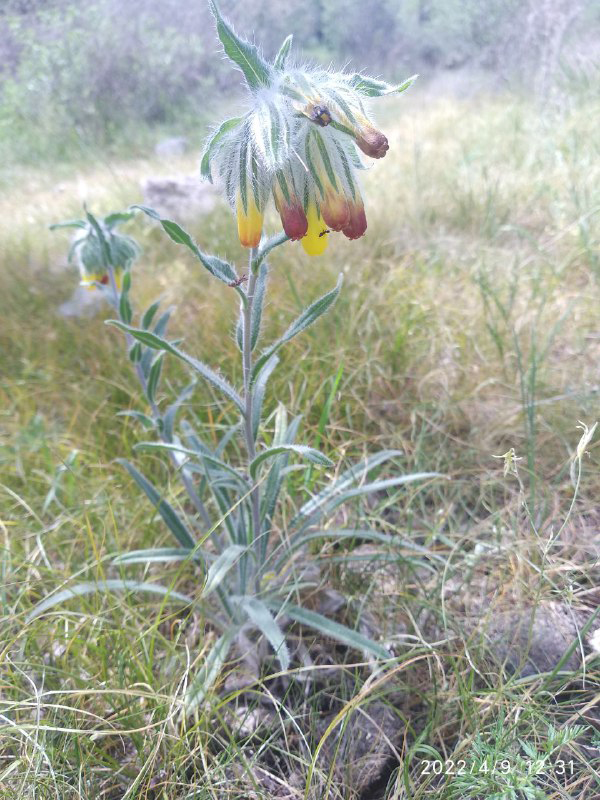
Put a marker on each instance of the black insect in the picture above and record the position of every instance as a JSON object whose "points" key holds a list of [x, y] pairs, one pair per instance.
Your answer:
{"points": [[321, 115], [238, 281], [324, 232]]}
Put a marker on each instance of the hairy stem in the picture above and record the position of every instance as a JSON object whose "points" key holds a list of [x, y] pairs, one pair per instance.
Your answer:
{"points": [[248, 394]]}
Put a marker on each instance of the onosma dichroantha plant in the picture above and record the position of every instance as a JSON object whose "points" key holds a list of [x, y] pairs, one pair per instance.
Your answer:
{"points": [[301, 141]]}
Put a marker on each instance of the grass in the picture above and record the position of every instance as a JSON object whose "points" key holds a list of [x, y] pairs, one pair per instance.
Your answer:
{"points": [[468, 325]]}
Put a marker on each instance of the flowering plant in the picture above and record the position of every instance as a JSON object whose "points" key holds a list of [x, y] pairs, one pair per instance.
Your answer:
{"points": [[298, 142]]}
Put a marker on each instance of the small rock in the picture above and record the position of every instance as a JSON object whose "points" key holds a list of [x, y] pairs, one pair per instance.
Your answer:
{"points": [[530, 640], [82, 303], [180, 197], [173, 146], [365, 749]]}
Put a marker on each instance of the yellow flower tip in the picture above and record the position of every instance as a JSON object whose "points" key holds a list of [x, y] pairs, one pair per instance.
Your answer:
{"points": [[250, 222], [316, 240], [91, 280]]}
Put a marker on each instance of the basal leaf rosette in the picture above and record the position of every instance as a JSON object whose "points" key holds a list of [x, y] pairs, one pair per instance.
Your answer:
{"points": [[302, 142]]}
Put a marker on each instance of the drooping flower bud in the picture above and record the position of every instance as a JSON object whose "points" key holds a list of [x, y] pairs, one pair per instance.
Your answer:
{"points": [[335, 209], [357, 224], [249, 220], [315, 241], [372, 142], [293, 218]]}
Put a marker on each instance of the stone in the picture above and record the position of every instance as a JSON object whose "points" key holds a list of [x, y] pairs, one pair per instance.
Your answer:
{"points": [[179, 196], [82, 303], [171, 147], [533, 639]]}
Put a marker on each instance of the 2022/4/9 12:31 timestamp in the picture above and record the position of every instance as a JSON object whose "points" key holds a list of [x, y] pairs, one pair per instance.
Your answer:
{"points": [[503, 766]]}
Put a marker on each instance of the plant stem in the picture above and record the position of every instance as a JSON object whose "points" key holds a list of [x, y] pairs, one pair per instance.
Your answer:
{"points": [[248, 394]]}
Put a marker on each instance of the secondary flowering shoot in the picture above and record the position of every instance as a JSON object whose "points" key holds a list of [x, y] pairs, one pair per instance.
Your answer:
{"points": [[97, 249], [302, 141]]}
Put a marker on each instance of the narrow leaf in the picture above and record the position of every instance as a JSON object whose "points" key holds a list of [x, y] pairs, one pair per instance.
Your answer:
{"points": [[259, 614], [216, 266], [257, 306], [212, 145], [156, 554], [371, 87], [340, 633], [208, 673], [158, 343], [260, 385], [221, 566], [308, 453], [283, 54], [245, 55], [307, 318], [167, 512], [105, 586]]}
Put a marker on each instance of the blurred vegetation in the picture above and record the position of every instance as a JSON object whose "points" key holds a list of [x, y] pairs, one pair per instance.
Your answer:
{"points": [[75, 75]]}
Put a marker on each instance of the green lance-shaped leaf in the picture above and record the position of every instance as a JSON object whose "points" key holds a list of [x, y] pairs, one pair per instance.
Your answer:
{"points": [[105, 586], [216, 266], [283, 53], [157, 554], [348, 478], [257, 306], [149, 314], [307, 453], [167, 512], [154, 377], [284, 434], [340, 633], [259, 615], [158, 343], [208, 673], [393, 543], [258, 393], [220, 567], [212, 145], [308, 316], [371, 87], [245, 55], [104, 246], [208, 458], [117, 218], [71, 223], [125, 310]]}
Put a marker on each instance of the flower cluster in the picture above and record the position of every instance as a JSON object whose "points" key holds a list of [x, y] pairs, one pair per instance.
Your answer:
{"points": [[96, 246], [301, 142]]}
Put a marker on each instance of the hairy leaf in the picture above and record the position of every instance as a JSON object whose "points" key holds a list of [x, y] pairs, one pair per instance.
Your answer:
{"points": [[308, 453], [80, 589], [245, 55], [307, 318], [165, 509], [158, 343]]}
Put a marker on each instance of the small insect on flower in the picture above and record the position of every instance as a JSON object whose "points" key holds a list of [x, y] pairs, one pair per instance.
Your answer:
{"points": [[302, 141], [321, 116], [324, 233]]}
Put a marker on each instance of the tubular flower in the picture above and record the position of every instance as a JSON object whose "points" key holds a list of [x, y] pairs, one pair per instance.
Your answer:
{"points": [[289, 206], [357, 223], [302, 140], [90, 280], [315, 242], [249, 220]]}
